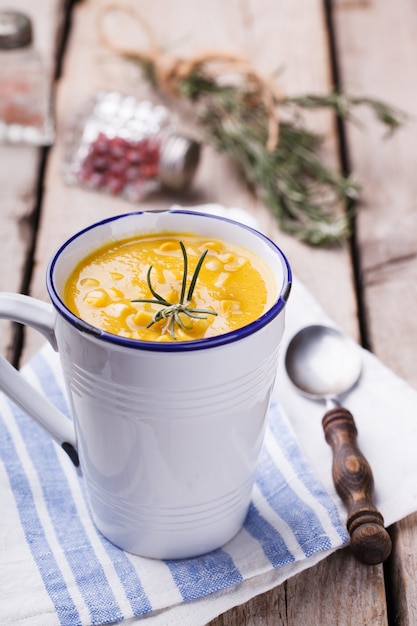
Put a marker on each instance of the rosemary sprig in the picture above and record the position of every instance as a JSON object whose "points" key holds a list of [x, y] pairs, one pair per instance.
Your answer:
{"points": [[309, 199], [172, 311]]}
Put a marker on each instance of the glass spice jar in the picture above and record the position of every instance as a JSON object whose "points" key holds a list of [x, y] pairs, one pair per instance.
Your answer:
{"points": [[127, 147], [24, 92]]}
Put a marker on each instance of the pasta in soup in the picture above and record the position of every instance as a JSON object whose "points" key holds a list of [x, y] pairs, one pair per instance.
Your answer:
{"points": [[141, 288]]}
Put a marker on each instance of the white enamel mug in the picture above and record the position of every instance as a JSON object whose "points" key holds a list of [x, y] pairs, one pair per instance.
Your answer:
{"points": [[168, 435]]}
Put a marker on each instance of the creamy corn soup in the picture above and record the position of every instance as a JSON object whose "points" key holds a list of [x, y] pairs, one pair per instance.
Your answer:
{"points": [[234, 287]]}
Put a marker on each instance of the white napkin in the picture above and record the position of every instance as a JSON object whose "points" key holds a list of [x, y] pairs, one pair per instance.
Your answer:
{"points": [[56, 569]]}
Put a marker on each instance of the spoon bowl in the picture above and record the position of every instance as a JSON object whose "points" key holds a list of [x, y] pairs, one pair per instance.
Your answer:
{"points": [[324, 364]]}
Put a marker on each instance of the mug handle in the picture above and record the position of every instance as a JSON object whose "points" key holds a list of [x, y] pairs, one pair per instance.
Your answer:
{"points": [[40, 316]]}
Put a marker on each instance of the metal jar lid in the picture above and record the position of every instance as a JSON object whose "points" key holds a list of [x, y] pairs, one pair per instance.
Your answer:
{"points": [[178, 161], [15, 30]]}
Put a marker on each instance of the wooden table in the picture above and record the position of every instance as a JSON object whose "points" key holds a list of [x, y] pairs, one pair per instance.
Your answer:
{"points": [[369, 288]]}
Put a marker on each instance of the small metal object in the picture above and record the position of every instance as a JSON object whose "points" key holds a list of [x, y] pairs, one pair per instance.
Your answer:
{"points": [[15, 30], [179, 160], [324, 364]]}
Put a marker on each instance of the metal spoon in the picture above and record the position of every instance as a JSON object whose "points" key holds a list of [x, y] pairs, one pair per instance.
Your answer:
{"points": [[324, 364]]}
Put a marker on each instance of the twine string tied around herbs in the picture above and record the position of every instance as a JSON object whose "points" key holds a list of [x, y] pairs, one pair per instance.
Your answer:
{"points": [[170, 70]]}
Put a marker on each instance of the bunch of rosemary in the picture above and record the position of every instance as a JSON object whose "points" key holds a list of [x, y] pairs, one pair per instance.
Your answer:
{"points": [[236, 117], [292, 180]]}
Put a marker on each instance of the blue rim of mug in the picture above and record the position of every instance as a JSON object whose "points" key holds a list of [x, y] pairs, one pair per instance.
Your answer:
{"points": [[180, 346]]}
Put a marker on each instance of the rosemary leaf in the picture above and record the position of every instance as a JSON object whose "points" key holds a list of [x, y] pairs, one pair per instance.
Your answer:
{"points": [[184, 274], [195, 276]]}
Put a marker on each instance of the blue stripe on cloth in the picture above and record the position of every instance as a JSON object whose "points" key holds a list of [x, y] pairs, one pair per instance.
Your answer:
{"points": [[126, 572], [200, 576], [129, 579], [289, 446], [270, 540], [299, 516], [34, 532]]}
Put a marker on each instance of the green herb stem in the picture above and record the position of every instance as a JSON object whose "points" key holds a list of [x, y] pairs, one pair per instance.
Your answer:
{"points": [[172, 311]]}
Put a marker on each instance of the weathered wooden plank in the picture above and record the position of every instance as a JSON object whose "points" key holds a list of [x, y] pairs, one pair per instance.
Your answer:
{"points": [[403, 571], [348, 594], [267, 609], [18, 183], [19, 171], [387, 218], [274, 35], [378, 51]]}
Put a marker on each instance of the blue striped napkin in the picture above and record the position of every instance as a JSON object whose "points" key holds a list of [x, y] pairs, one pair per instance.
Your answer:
{"points": [[56, 568]]}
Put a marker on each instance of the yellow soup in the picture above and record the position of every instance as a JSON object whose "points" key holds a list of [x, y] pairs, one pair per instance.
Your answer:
{"points": [[233, 288]]}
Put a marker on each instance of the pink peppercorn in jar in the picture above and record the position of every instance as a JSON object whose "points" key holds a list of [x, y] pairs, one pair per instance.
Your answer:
{"points": [[126, 147]]}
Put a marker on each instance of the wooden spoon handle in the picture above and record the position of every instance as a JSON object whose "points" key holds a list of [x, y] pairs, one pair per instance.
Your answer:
{"points": [[352, 476]]}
